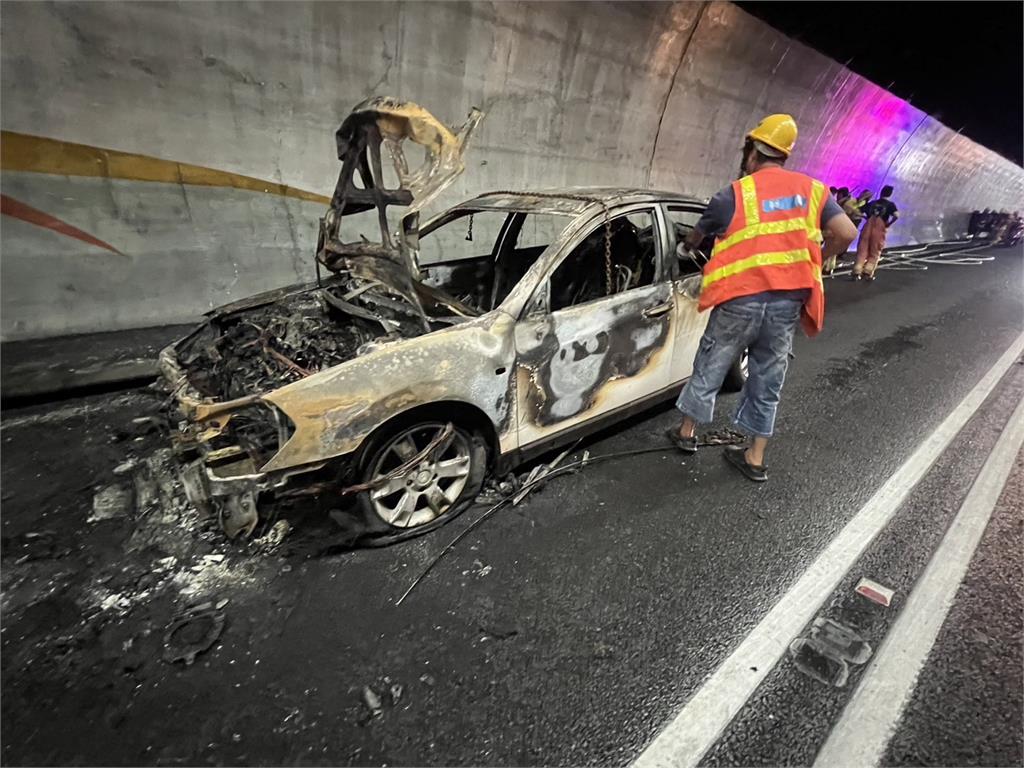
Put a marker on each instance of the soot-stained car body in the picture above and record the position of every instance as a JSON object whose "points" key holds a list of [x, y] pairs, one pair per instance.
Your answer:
{"points": [[506, 325]]}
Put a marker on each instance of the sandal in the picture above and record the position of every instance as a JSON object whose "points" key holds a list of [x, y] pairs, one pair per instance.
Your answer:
{"points": [[687, 445], [737, 456]]}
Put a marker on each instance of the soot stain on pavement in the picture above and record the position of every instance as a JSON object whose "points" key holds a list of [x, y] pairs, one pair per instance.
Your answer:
{"points": [[88, 599], [845, 372]]}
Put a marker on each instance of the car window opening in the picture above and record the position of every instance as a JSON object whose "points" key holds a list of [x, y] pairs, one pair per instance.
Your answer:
{"points": [[682, 221], [479, 256], [583, 275]]}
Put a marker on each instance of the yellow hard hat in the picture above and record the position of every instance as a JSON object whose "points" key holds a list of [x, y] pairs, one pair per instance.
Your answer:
{"points": [[777, 131]]}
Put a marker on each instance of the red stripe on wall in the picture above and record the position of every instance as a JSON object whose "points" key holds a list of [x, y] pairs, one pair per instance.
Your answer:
{"points": [[19, 210]]}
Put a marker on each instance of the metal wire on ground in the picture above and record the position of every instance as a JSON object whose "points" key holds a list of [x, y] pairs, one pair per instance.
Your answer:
{"points": [[508, 500], [711, 438]]}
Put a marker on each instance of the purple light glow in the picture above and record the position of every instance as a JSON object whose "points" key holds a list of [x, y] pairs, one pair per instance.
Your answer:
{"points": [[858, 149]]}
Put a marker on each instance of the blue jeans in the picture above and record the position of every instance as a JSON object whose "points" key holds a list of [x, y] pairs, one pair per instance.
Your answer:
{"points": [[764, 325]]}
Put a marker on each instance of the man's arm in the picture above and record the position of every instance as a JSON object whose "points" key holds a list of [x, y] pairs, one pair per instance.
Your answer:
{"points": [[694, 238], [716, 218], [893, 215], [838, 232]]}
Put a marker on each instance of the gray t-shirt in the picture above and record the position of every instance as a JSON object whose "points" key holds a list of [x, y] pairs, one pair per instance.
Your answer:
{"points": [[722, 207]]}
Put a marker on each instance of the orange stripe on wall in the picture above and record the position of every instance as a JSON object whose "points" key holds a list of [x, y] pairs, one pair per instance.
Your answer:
{"points": [[19, 210], [38, 154]]}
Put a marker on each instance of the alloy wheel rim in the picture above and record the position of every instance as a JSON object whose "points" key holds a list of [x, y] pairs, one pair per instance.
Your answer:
{"points": [[426, 490]]}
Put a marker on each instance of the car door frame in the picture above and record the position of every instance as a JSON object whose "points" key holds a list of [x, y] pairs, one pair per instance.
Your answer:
{"points": [[537, 306], [688, 324]]}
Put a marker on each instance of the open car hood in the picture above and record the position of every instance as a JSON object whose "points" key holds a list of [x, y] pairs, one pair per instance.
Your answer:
{"points": [[373, 294], [388, 122]]}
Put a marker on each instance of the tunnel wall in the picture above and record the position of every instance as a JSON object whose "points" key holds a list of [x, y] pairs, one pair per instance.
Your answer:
{"points": [[160, 159]]}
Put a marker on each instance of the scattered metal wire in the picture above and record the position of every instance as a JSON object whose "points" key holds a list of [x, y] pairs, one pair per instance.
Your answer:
{"points": [[720, 438]]}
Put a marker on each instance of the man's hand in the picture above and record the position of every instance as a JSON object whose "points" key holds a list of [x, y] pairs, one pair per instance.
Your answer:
{"points": [[684, 251]]}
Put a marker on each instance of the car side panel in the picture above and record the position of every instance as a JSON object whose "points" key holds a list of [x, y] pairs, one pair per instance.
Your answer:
{"points": [[577, 364], [334, 411]]}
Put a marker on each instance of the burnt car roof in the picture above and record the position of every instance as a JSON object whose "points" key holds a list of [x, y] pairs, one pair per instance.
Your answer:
{"points": [[565, 200]]}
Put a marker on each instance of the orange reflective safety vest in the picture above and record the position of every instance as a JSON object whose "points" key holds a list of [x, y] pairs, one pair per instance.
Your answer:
{"points": [[773, 243]]}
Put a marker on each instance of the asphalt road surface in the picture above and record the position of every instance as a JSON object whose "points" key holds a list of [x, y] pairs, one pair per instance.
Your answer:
{"points": [[570, 630]]}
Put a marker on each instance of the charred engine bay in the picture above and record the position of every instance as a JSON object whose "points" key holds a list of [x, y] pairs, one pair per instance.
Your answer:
{"points": [[294, 334]]}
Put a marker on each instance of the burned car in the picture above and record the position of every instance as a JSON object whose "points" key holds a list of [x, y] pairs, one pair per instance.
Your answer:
{"points": [[415, 366]]}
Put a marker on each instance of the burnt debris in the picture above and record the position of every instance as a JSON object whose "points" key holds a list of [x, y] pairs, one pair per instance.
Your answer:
{"points": [[291, 336], [295, 333]]}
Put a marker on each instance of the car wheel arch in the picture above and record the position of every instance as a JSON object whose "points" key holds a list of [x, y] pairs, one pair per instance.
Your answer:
{"points": [[460, 412]]}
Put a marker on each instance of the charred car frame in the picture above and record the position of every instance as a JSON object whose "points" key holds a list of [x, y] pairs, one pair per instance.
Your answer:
{"points": [[506, 325]]}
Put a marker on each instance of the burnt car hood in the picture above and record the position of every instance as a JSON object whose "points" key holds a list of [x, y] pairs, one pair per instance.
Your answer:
{"points": [[259, 344], [373, 293]]}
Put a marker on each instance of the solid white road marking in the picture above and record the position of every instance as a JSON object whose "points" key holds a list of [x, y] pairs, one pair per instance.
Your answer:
{"points": [[697, 727], [862, 733]]}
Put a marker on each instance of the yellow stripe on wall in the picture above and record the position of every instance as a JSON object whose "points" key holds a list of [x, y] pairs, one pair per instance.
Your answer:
{"points": [[38, 154]]}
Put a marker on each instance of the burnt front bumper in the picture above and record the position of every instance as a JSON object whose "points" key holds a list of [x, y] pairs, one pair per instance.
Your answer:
{"points": [[222, 449], [233, 499]]}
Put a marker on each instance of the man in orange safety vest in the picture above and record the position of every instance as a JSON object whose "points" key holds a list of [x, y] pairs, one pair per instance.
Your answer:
{"points": [[764, 277]]}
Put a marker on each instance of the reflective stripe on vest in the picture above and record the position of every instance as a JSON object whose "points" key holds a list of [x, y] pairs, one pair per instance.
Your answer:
{"points": [[758, 260], [751, 215]]}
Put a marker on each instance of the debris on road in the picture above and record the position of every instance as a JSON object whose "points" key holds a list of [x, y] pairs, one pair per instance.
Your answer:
{"points": [[875, 592], [110, 502], [372, 701], [720, 437], [479, 570], [537, 474], [272, 539], [126, 467], [37, 545], [192, 635], [396, 691], [496, 489]]}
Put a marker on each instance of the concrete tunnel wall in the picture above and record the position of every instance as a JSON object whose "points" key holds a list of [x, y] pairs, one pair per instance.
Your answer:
{"points": [[219, 119]]}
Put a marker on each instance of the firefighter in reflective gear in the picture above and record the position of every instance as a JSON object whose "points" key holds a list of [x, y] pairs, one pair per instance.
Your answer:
{"points": [[881, 214], [763, 279]]}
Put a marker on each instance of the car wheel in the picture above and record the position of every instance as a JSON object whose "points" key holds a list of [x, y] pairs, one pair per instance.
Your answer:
{"points": [[737, 375], [430, 493]]}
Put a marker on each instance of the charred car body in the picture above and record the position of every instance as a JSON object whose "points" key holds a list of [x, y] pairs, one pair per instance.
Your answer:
{"points": [[416, 364]]}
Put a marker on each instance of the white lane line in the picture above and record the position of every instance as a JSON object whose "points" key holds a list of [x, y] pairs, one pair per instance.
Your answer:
{"points": [[863, 731], [697, 727]]}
